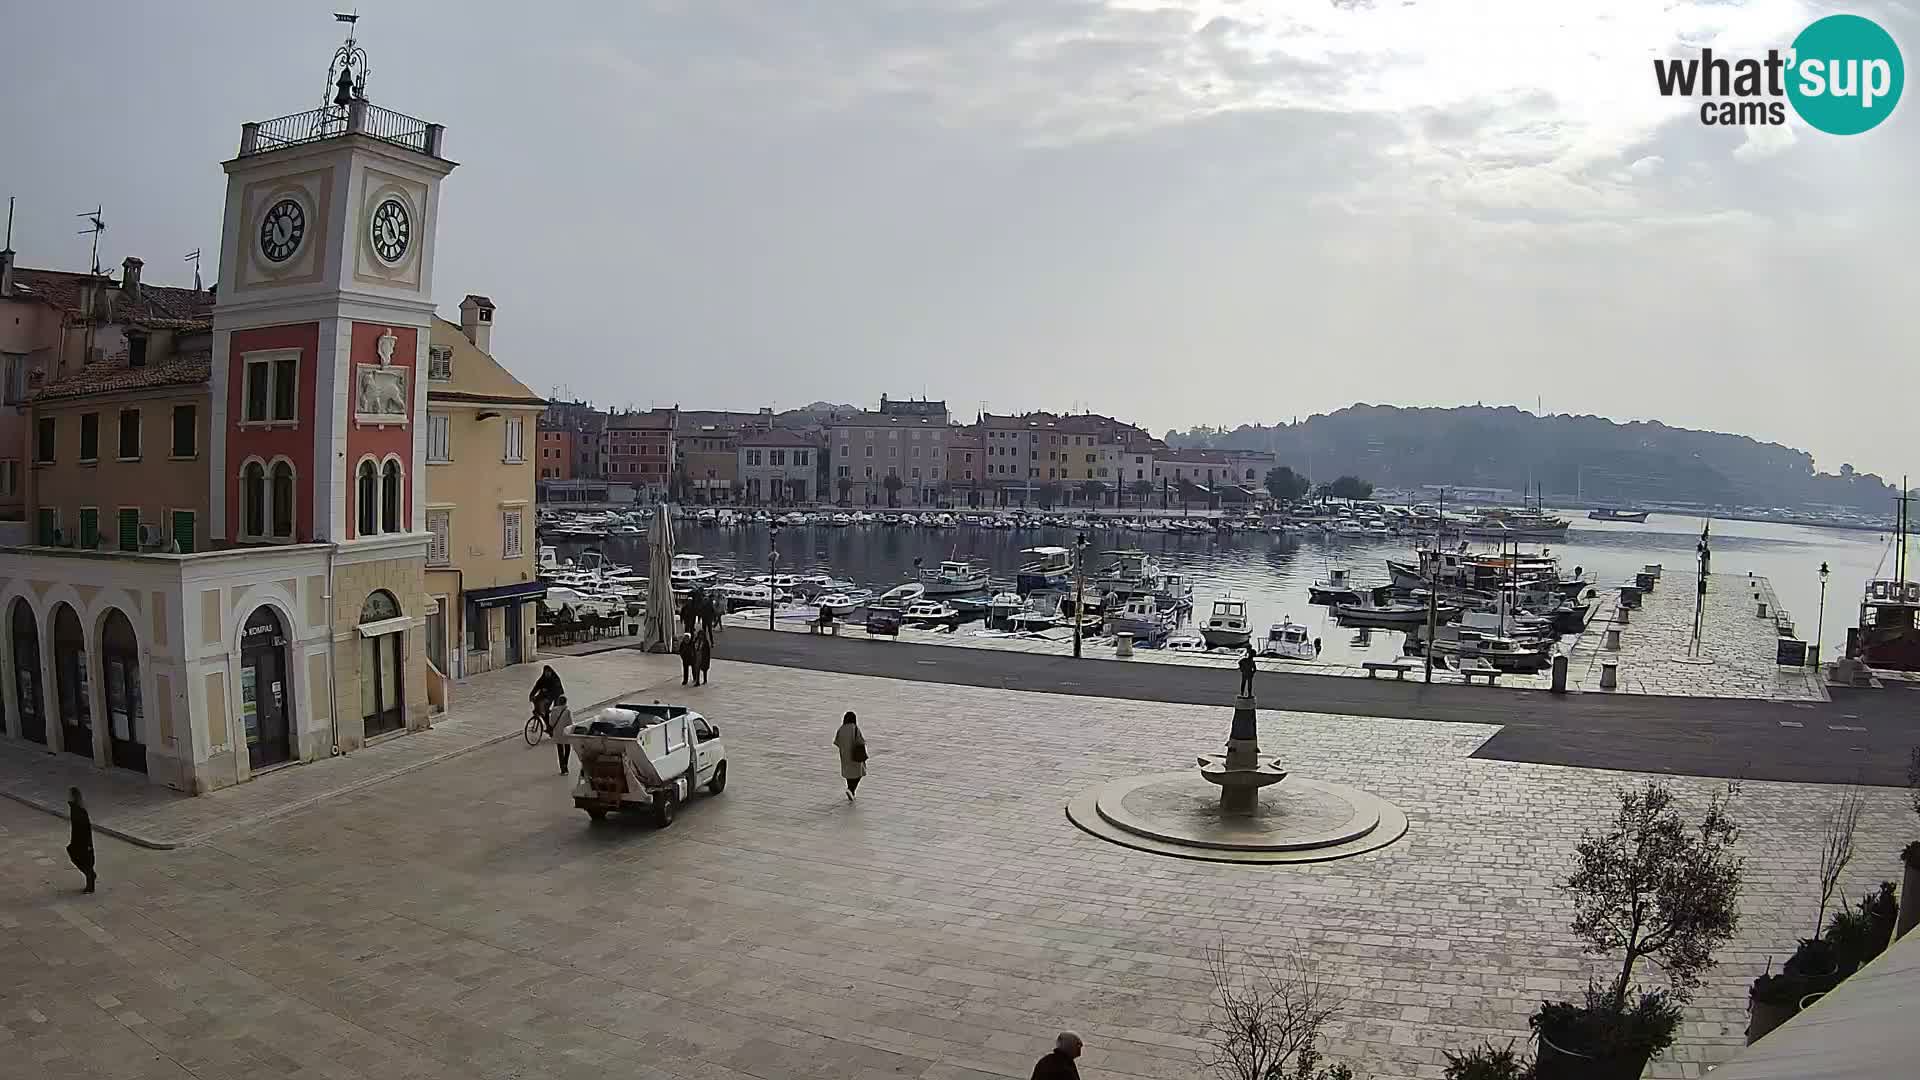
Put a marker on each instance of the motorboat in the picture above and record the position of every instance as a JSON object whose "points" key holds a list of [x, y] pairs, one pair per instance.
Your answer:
{"points": [[1003, 607], [1336, 588], [779, 582], [1288, 640], [1130, 573], [1503, 653], [842, 604], [902, 595], [812, 584], [1638, 517], [1377, 608], [1043, 568], [735, 595], [954, 578], [928, 612], [1187, 642], [583, 600], [686, 573], [1227, 627], [1040, 611], [840, 521], [1141, 616]]}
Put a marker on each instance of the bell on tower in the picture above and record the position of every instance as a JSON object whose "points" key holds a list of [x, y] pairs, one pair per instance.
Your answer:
{"points": [[345, 86]]}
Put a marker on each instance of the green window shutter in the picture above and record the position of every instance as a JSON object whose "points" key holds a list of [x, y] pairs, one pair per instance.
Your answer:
{"points": [[89, 528], [46, 526], [130, 530], [183, 530]]}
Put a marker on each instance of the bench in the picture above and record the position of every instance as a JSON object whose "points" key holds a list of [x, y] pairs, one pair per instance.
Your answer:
{"points": [[1398, 667], [1473, 668], [823, 626]]}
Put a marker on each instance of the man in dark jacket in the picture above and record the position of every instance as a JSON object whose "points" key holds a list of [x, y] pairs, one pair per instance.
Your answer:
{"points": [[686, 658], [80, 845], [702, 658], [1059, 1064]]}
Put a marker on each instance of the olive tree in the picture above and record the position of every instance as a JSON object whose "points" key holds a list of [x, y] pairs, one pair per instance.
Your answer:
{"points": [[1653, 886]]}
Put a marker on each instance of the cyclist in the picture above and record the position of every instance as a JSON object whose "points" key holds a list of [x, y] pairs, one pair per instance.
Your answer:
{"points": [[550, 705]]}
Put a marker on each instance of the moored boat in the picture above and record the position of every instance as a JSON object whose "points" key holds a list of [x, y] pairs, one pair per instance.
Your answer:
{"points": [[1288, 640], [1227, 626]]}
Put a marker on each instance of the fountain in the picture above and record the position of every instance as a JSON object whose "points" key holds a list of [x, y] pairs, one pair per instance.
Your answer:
{"points": [[1222, 816]]}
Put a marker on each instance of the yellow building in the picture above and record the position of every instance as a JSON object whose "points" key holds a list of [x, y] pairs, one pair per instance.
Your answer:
{"points": [[480, 501]]}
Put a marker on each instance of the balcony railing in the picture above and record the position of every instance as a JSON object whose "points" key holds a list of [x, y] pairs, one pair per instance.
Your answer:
{"points": [[332, 122]]}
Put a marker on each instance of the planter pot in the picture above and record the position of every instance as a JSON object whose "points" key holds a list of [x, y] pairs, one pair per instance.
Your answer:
{"points": [[1554, 1062], [1764, 1016], [1909, 900]]}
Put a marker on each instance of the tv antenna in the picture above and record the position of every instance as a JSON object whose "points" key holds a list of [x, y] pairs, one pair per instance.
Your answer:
{"points": [[95, 225], [194, 258]]}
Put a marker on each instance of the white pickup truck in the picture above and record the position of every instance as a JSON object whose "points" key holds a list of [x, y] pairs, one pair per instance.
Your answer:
{"points": [[644, 757]]}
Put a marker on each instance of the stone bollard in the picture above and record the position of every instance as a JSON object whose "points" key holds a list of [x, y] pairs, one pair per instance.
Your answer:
{"points": [[1123, 644], [1560, 674], [1643, 582], [1613, 639], [1609, 675], [1624, 615]]}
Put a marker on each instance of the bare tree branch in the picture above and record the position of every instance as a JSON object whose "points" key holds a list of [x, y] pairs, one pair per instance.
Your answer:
{"points": [[1266, 1017], [1836, 850]]}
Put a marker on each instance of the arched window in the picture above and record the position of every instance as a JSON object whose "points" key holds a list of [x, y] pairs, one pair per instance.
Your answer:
{"points": [[382, 662], [283, 500], [253, 500], [390, 498], [368, 499], [380, 606]]}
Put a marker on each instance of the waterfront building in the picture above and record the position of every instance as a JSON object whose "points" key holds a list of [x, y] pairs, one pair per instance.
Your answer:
{"points": [[966, 466], [640, 449], [1037, 453], [902, 439], [778, 466], [480, 578], [297, 630]]}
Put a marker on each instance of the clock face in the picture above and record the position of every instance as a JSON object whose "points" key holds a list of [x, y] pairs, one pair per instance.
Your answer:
{"points": [[390, 230], [281, 230]]}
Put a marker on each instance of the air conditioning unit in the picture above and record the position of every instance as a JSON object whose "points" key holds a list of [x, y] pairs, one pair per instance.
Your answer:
{"points": [[150, 538]]}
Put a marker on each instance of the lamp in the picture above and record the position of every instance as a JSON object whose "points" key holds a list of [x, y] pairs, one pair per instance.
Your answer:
{"points": [[1820, 626]]}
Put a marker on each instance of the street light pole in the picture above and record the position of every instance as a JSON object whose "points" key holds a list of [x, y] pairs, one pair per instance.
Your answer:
{"points": [[1079, 588], [1820, 627], [773, 555], [1433, 585]]}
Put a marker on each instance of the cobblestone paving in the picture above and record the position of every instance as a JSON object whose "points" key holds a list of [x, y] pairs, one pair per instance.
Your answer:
{"points": [[464, 921], [1654, 644], [486, 709]]}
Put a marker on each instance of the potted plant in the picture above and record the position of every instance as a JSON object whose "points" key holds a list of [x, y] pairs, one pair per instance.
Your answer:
{"points": [[1650, 886], [1485, 1062], [1818, 963], [1772, 1000], [1850, 934], [1881, 911]]}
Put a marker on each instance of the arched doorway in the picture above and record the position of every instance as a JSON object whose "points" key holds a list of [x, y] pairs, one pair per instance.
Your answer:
{"points": [[266, 706], [70, 681], [26, 674], [382, 661], [120, 665]]}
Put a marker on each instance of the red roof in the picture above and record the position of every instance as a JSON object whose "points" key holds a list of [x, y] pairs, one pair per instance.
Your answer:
{"points": [[158, 306], [108, 377], [777, 437]]}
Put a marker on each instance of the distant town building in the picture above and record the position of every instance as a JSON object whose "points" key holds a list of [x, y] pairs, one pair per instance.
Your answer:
{"points": [[904, 440], [778, 466], [640, 451]]}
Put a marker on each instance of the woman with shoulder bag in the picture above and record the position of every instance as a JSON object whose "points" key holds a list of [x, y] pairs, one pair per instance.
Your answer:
{"points": [[853, 753]]}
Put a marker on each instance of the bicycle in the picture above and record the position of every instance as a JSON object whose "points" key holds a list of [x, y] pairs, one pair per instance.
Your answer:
{"points": [[536, 727]]}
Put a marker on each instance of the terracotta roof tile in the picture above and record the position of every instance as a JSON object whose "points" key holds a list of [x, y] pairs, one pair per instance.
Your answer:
{"points": [[777, 437], [110, 377], [159, 306]]}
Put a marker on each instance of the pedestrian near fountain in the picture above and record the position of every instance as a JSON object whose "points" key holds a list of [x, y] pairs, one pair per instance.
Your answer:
{"points": [[853, 753], [80, 845], [702, 658], [1246, 672], [1059, 1065]]}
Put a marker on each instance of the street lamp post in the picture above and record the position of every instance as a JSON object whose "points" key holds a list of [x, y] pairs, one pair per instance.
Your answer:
{"points": [[1820, 627], [1079, 588], [773, 556], [1433, 585]]}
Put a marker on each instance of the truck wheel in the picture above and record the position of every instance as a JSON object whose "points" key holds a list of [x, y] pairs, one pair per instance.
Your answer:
{"points": [[663, 809], [719, 782], [597, 813]]}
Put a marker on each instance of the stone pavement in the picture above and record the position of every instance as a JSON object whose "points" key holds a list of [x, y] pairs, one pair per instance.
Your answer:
{"points": [[486, 709], [1655, 641], [466, 922]]}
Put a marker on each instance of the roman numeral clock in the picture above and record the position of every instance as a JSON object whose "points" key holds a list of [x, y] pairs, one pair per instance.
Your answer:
{"points": [[390, 230]]}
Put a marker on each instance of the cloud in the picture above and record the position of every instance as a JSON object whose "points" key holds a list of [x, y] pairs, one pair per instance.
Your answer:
{"points": [[1765, 141]]}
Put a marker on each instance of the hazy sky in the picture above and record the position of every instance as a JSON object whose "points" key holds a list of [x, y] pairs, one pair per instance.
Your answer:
{"points": [[1176, 211]]}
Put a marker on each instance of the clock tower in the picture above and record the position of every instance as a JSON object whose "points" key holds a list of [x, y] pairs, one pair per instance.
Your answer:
{"points": [[320, 334]]}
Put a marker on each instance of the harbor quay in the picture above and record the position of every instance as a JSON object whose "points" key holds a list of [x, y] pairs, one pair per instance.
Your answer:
{"points": [[458, 917], [1650, 647]]}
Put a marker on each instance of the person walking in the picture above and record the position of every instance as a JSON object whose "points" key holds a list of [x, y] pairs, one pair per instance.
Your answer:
{"points": [[853, 753], [1246, 672], [686, 658], [1058, 1065], [559, 716], [702, 658], [80, 846], [710, 616]]}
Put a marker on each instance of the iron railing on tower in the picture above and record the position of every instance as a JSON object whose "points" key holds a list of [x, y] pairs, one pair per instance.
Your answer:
{"points": [[333, 121]]}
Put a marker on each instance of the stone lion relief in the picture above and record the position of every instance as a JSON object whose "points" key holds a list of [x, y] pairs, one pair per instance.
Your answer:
{"points": [[380, 394]]}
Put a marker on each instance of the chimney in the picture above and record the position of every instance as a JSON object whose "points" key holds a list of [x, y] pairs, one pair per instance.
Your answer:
{"points": [[476, 321], [130, 278], [6, 271]]}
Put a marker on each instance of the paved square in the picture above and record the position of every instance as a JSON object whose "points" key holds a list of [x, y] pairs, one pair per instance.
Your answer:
{"points": [[462, 920]]}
